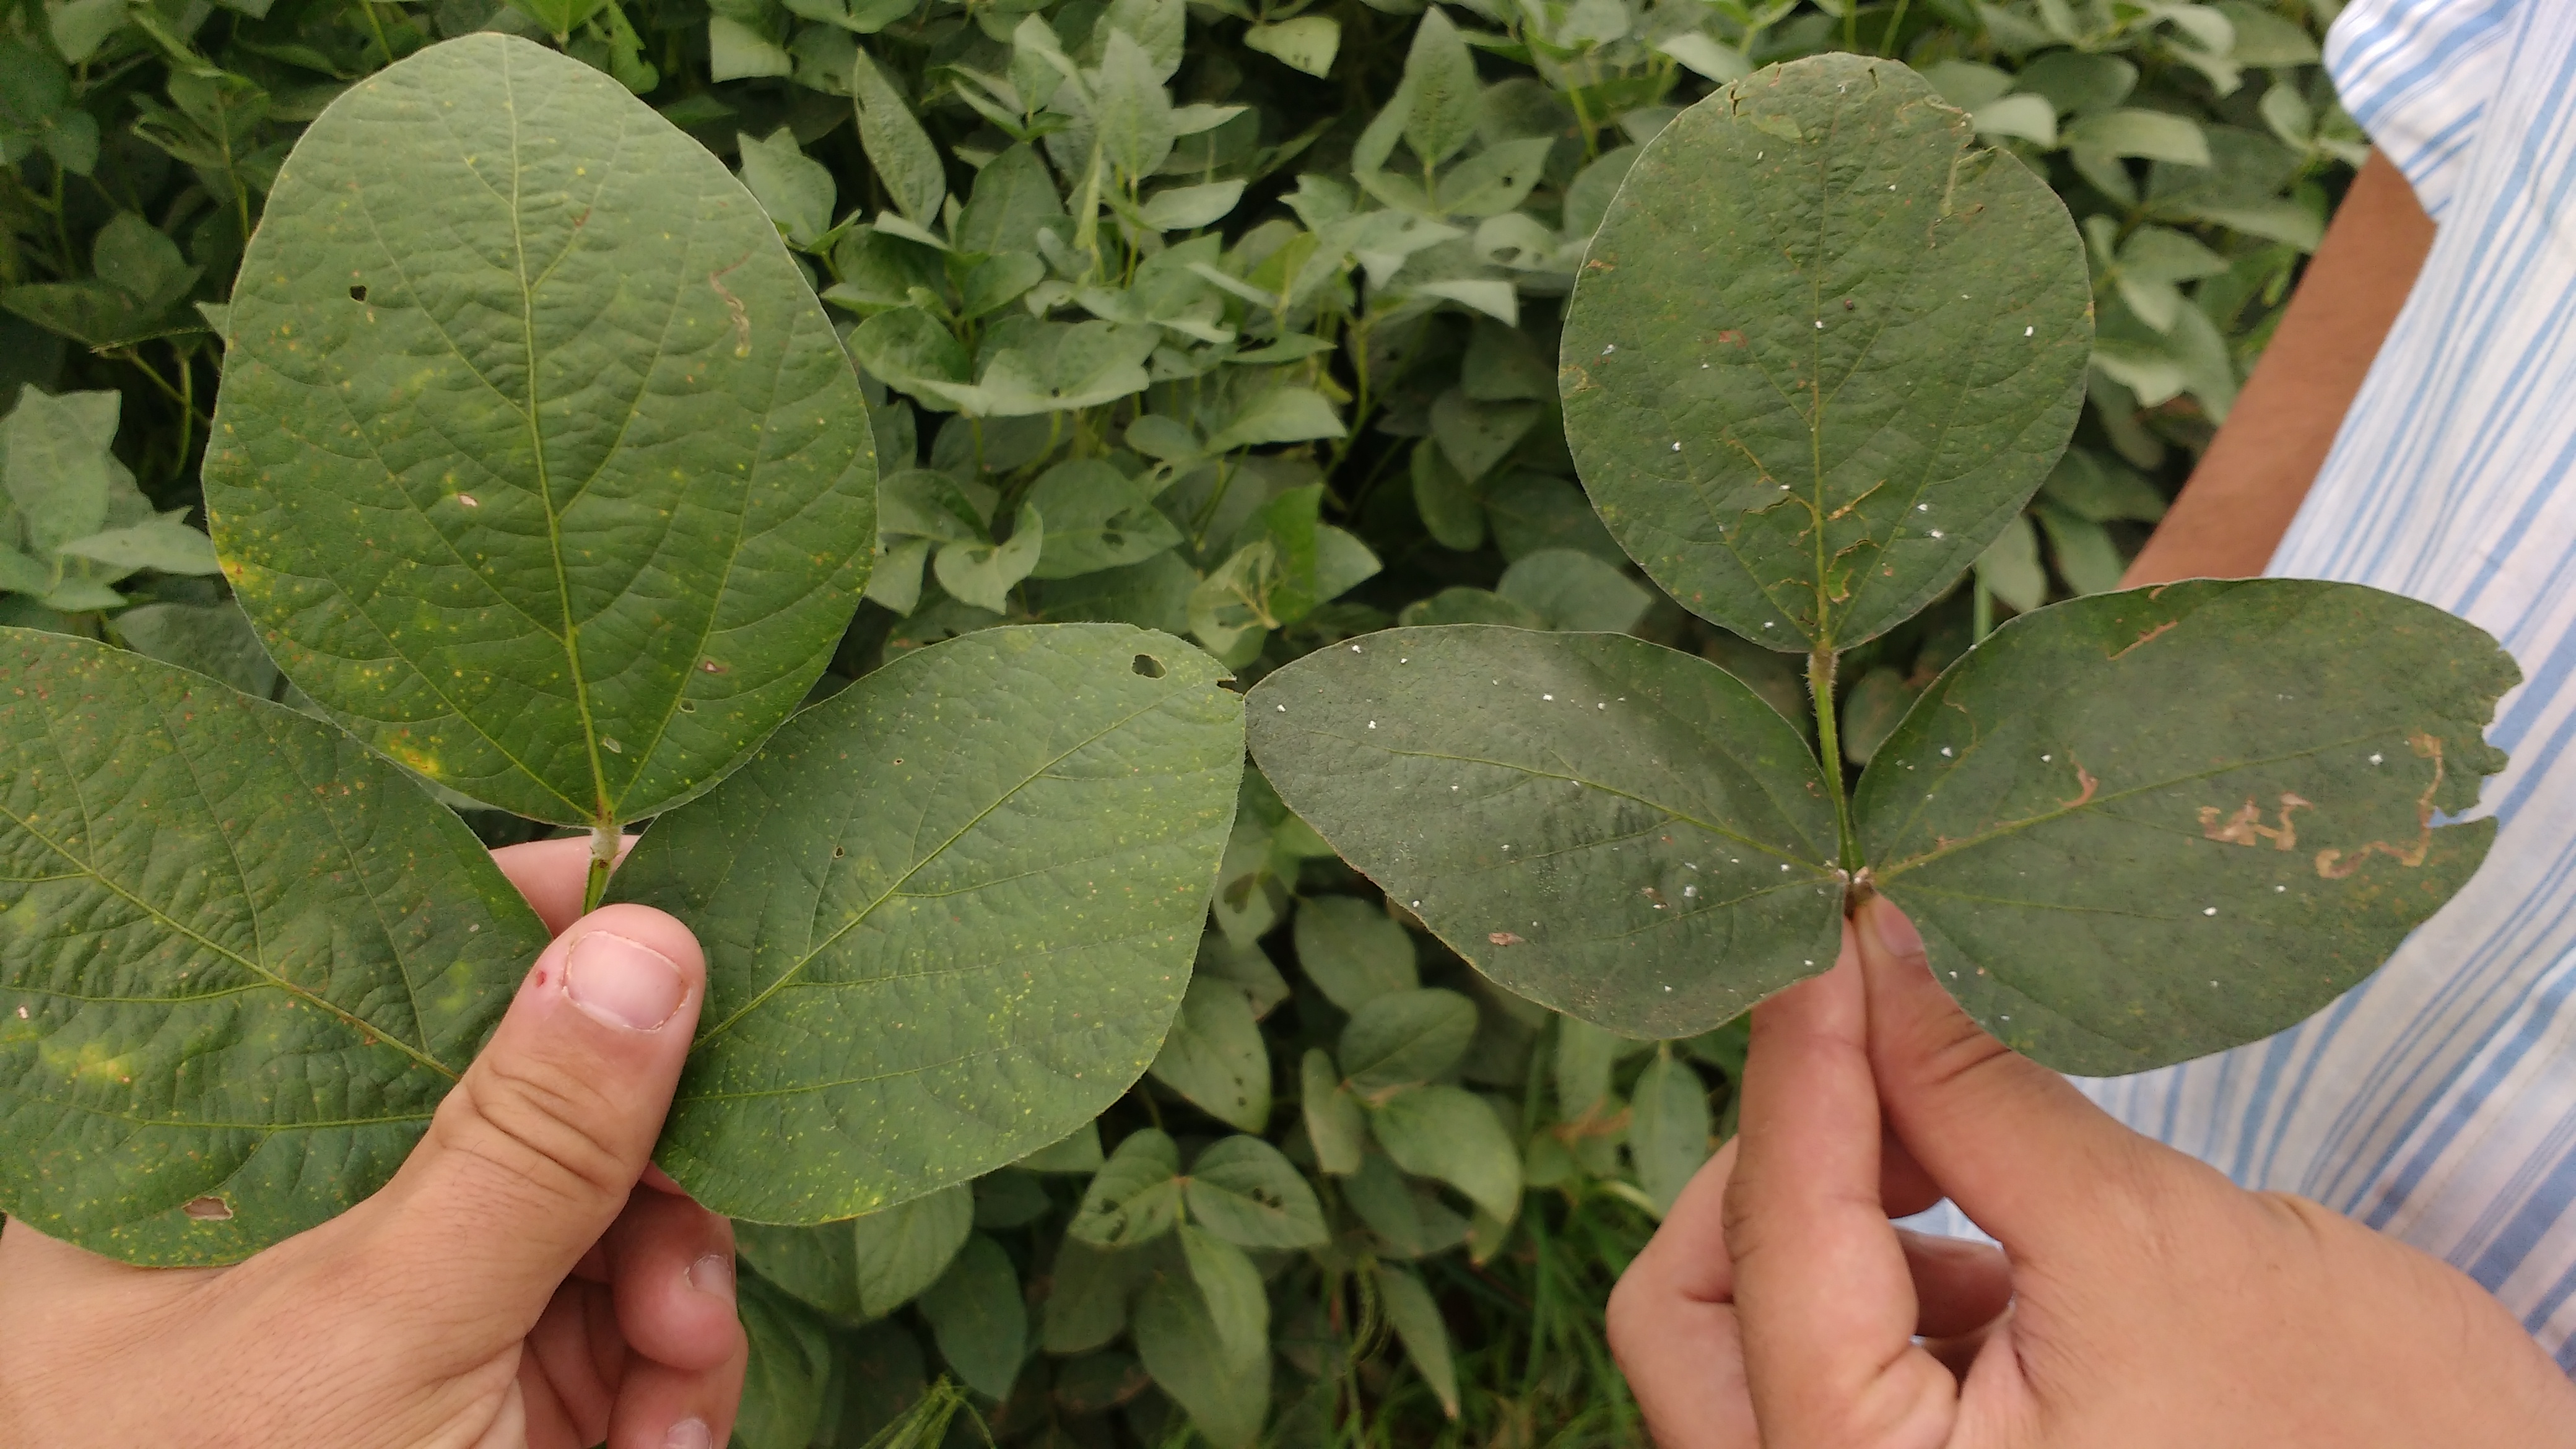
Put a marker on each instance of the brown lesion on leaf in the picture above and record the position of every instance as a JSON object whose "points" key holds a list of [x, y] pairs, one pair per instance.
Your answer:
{"points": [[1504, 938], [733, 304], [2144, 639], [1571, 379], [2246, 826], [208, 1209], [2086, 785], [2336, 864], [1862, 497]]}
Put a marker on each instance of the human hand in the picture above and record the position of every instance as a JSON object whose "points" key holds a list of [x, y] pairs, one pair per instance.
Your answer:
{"points": [[524, 1279], [2141, 1299]]}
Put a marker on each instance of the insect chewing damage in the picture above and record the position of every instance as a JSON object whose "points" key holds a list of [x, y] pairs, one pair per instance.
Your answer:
{"points": [[2245, 826]]}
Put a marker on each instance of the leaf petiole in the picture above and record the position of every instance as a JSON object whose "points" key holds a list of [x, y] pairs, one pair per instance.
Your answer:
{"points": [[1829, 752], [604, 840]]}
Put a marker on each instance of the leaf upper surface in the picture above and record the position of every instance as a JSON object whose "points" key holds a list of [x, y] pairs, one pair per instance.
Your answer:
{"points": [[1822, 349], [2139, 827], [537, 463], [948, 914], [241, 958]]}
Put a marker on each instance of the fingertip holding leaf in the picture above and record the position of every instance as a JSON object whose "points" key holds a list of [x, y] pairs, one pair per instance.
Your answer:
{"points": [[586, 463], [241, 958], [949, 914]]}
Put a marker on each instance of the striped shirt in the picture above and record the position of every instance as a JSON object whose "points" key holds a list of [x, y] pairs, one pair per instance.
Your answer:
{"points": [[2437, 1100]]}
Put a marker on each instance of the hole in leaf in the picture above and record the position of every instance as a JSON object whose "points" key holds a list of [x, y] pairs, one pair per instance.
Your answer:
{"points": [[688, 706], [358, 293], [208, 1209], [1148, 666], [838, 852]]}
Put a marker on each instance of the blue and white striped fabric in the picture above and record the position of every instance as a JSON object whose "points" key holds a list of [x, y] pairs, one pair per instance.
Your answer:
{"points": [[2437, 1101]]}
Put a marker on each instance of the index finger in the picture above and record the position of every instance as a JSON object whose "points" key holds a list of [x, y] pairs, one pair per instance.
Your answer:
{"points": [[1821, 1286]]}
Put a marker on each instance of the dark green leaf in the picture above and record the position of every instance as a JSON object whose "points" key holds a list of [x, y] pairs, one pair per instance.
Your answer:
{"points": [[1668, 1135], [1822, 349], [1352, 952], [1230, 1287], [1247, 1192], [1425, 1336], [1086, 1302], [1449, 510], [977, 1315], [1227, 1397], [1405, 1037], [241, 958], [1477, 435], [814, 1265], [900, 1251], [1013, 197], [1096, 518], [1334, 1122], [1574, 590], [2140, 827], [1215, 1056], [213, 639], [790, 1369], [948, 914], [1601, 825], [508, 543], [1135, 1195], [1452, 1134]]}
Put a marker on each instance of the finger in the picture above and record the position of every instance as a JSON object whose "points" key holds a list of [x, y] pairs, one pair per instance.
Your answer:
{"points": [[661, 1407], [573, 1364], [2018, 1148], [1959, 1285], [671, 1267], [1672, 1325], [1904, 1188], [1826, 1302], [534, 1152], [553, 874]]}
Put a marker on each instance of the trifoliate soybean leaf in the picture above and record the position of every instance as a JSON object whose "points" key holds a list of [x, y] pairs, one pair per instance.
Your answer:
{"points": [[2083, 551], [948, 914], [1870, 710], [55, 465], [536, 463], [1014, 196], [1571, 589], [1451, 1134], [1247, 968], [1087, 1296], [996, 282], [790, 1370], [1280, 415], [895, 581], [1668, 1128], [1187, 208], [213, 639], [1247, 1192], [1306, 43], [1405, 1037], [2010, 568], [795, 189], [2140, 827], [1449, 511], [1822, 350], [979, 1319], [241, 958], [983, 574], [1351, 951], [1334, 1122], [1477, 435], [1226, 1396], [1010, 1199], [814, 1265], [1130, 108], [1215, 1056], [1135, 1195], [1532, 511], [1230, 1287], [1503, 365], [1614, 829], [1418, 1325], [1462, 605], [1439, 90], [1096, 518], [900, 1251], [162, 544], [1079, 1152], [897, 147], [2101, 489], [1408, 1218], [1585, 1057]]}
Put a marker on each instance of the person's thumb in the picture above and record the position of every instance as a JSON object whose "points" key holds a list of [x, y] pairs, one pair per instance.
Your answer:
{"points": [[2020, 1151], [532, 1154]]}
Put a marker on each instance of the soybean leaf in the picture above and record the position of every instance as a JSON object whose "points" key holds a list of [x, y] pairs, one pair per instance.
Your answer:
{"points": [[1086, 1302], [1307, 43], [1226, 1396], [1247, 1192], [897, 147], [1439, 90], [1477, 435], [2140, 827], [1099, 1382], [1425, 1336], [213, 639], [814, 1265], [1247, 968], [1131, 109], [1215, 1056], [795, 189], [1607, 827], [1405, 1037], [1571, 589], [536, 463], [1585, 1057], [1230, 1286], [1352, 951], [162, 544], [243, 959], [784, 1385], [900, 1251], [1668, 1133], [1408, 1218], [1013, 197], [1449, 510], [977, 1315], [1532, 511], [1876, 701], [1096, 518], [1135, 1196], [1079, 1152], [983, 574], [1334, 1122], [2010, 567], [1452, 1134], [56, 468], [1010, 1198], [1822, 349], [948, 914]]}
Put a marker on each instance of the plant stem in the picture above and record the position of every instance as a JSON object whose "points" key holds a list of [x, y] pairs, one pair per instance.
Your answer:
{"points": [[1887, 42], [1820, 683], [604, 840]]}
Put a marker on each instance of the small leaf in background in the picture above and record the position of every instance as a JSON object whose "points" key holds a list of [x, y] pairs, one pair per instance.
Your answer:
{"points": [[1668, 1131], [1942, 284], [1086, 1304], [1532, 511], [1077, 1153], [1010, 1198], [1585, 1057], [1306, 43], [1404, 1037], [55, 465], [790, 1369], [900, 1251], [213, 639], [978, 1317], [1574, 590], [1247, 1192], [2085, 555], [943, 878], [2010, 567], [1230, 1287], [1013, 198], [1334, 1122], [2103, 491], [1477, 435], [1215, 1056], [166, 838], [1449, 510], [1870, 710], [1418, 1325], [983, 574], [1130, 108], [1280, 415], [1187, 208], [163, 544], [1096, 518], [1504, 365], [1409, 1218], [796, 190], [1452, 1134], [1226, 1397], [1135, 1196], [1352, 952], [813, 1265], [1247, 968], [897, 147], [1439, 90], [2111, 794]]}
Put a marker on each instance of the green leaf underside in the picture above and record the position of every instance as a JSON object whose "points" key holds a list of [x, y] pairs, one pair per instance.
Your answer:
{"points": [[948, 914], [241, 958], [1622, 832], [570, 510], [2140, 827], [1882, 352]]}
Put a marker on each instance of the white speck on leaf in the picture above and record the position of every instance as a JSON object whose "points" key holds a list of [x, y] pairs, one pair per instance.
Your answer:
{"points": [[1372, 724], [1936, 533], [1945, 749], [2209, 910], [2374, 759], [1547, 696]]}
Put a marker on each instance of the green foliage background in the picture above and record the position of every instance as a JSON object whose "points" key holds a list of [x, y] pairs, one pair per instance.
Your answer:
{"points": [[1237, 320]]}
